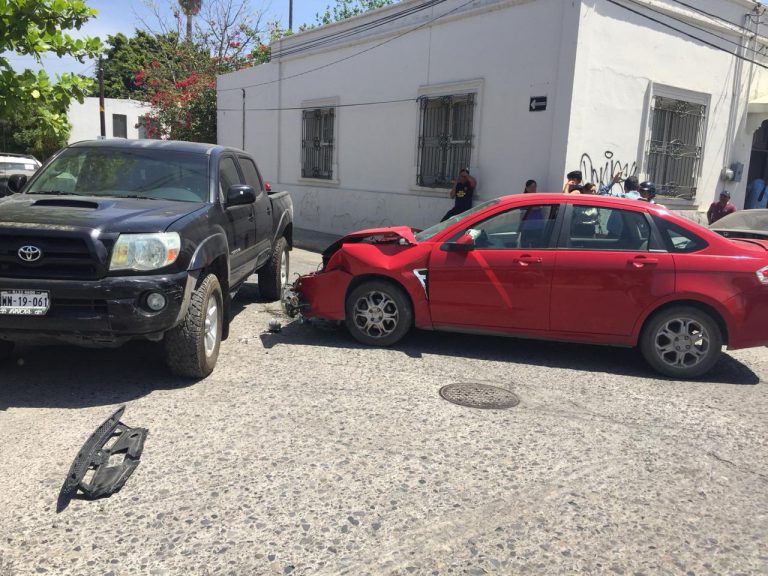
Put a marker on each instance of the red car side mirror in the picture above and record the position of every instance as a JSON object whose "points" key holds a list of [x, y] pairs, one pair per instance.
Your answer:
{"points": [[463, 243]]}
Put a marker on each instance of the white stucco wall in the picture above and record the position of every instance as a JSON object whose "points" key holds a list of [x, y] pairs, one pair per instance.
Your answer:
{"points": [[598, 64], [86, 123], [498, 50], [624, 59]]}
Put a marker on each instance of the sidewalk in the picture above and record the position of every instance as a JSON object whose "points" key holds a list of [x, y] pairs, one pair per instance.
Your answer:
{"points": [[312, 240]]}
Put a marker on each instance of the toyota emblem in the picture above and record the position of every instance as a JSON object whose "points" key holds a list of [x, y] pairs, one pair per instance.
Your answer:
{"points": [[30, 253]]}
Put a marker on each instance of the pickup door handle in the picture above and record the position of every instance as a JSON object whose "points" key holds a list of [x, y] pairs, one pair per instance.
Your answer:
{"points": [[643, 261], [527, 259]]}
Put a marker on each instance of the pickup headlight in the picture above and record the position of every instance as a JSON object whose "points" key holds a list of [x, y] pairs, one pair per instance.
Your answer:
{"points": [[145, 251]]}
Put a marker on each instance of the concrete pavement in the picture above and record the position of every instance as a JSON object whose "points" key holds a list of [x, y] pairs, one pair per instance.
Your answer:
{"points": [[306, 453]]}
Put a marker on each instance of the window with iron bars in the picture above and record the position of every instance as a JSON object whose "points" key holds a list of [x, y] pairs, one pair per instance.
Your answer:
{"points": [[317, 143], [675, 147], [445, 138]]}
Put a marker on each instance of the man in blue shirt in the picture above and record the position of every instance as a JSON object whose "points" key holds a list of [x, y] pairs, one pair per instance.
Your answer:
{"points": [[630, 188]]}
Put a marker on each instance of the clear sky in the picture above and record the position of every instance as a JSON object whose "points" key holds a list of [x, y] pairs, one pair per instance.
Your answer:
{"points": [[127, 15]]}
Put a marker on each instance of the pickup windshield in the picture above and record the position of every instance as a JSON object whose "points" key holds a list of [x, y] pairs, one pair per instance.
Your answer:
{"points": [[121, 173]]}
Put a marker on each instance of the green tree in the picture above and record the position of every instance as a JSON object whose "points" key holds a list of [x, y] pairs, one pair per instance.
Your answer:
{"points": [[344, 9], [36, 28], [124, 57]]}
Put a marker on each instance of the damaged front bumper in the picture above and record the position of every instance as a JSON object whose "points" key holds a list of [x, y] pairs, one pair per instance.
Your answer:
{"points": [[318, 295], [293, 304]]}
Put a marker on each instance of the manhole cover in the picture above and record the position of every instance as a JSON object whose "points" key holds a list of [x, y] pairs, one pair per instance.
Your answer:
{"points": [[477, 395]]}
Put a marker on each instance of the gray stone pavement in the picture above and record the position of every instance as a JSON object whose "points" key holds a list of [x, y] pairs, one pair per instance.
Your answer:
{"points": [[305, 453]]}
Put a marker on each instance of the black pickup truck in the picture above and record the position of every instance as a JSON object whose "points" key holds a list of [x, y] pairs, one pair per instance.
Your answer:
{"points": [[115, 240]]}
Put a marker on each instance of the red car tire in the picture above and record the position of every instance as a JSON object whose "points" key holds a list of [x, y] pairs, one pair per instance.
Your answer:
{"points": [[378, 313]]}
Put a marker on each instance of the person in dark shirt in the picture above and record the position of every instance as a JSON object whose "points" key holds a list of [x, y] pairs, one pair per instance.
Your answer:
{"points": [[721, 208], [462, 192]]}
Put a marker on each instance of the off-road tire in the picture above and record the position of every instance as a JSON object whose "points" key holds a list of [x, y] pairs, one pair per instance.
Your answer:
{"points": [[396, 313], [185, 350], [6, 349], [660, 331], [271, 280]]}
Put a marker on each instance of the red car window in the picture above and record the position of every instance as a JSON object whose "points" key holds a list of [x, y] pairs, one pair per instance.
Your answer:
{"points": [[523, 227]]}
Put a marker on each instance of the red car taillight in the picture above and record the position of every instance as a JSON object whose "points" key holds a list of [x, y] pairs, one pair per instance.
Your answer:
{"points": [[762, 275]]}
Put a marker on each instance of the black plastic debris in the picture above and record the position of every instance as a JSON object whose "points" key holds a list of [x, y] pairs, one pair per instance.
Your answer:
{"points": [[105, 462]]}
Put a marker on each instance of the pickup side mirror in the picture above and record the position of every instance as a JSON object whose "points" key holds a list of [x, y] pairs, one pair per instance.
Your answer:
{"points": [[464, 243], [239, 194], [16, 183], [268, 187]]}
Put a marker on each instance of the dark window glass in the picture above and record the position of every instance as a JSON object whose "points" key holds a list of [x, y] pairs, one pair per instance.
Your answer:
{"points": [[594, 228], [675, 148], [250, 173], [228, 174], [445, 138], [520, 228], [676, 238], [119, 126], [317, 141]]}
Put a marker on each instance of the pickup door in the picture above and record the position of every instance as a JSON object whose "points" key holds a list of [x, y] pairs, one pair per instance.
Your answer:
{"points": [[262, 209], [241, 231]]}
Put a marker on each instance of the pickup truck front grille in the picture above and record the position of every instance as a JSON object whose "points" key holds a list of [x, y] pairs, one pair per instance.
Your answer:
{"points": [[63, 257]]}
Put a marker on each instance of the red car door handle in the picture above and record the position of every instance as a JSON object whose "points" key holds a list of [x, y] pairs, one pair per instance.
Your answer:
{"points": [[526, 259], [641, 261]]}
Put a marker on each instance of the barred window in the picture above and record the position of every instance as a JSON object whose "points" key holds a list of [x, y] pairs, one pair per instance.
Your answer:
{"points": [[675, 148], [317, 143], [119, 126], [445, 138]]}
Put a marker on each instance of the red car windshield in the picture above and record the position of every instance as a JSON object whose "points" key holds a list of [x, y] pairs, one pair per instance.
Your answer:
{"points": [[432, 230]]}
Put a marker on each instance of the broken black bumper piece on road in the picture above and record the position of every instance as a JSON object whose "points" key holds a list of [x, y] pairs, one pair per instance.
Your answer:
{"points": [[105, 461]]}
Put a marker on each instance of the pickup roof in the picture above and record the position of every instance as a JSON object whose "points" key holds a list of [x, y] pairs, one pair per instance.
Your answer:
{"points": [[114, 240]]}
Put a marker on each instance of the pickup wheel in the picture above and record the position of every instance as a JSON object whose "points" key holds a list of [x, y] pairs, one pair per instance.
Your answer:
{"points": [[192, 347], [6, 349], [273, 276], [378, 313], [681, 342]]}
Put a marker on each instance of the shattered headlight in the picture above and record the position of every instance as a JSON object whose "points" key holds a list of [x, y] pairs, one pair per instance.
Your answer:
{"points": [[145, 251]]}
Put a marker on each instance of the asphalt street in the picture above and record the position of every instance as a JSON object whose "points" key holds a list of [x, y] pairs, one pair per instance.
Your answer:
{"points": [[306, 453]]}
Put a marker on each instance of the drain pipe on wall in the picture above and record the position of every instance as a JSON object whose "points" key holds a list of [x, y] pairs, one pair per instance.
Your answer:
{"points": [[243, 146], [727, 174]]}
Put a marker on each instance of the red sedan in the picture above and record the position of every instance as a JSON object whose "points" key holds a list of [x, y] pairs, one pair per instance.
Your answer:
{"points": [[589, 269]]}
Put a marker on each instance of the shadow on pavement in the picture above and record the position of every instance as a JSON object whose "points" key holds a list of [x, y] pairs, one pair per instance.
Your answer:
{"points": [[73, 377], [585, 357]]}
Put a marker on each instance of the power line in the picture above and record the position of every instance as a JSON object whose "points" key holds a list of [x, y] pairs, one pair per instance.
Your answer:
{"points": [[688, 34], [724, 39], [363, 27], [715, 16], [329, 64], [397, 101]]}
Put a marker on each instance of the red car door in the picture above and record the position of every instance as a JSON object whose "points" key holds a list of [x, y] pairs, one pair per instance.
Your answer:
{"points": [[606, 273], [503, 282]]}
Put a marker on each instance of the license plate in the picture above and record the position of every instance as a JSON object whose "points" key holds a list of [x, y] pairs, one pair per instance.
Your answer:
{"points": [[24, 302]]}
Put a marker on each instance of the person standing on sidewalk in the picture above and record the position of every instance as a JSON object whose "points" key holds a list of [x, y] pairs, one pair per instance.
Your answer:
{"points": [[462, 192], [721, 207]]}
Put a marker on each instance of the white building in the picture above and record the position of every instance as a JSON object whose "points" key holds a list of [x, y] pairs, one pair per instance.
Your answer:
{"points": [[366, 121], [121, 117]]}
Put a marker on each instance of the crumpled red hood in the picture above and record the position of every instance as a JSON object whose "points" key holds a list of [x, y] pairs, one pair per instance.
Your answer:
{"points": [[388, 234]]}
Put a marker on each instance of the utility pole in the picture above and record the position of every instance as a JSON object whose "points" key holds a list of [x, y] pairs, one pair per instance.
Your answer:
{"points": [[101, 101], [290, 14]]}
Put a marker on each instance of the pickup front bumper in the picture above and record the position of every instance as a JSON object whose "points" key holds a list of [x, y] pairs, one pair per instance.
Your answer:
{"points": [[101, 312]]}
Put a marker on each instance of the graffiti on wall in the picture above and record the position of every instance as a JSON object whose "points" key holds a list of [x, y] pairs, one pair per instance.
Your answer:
{"points": [[603, 171]]}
